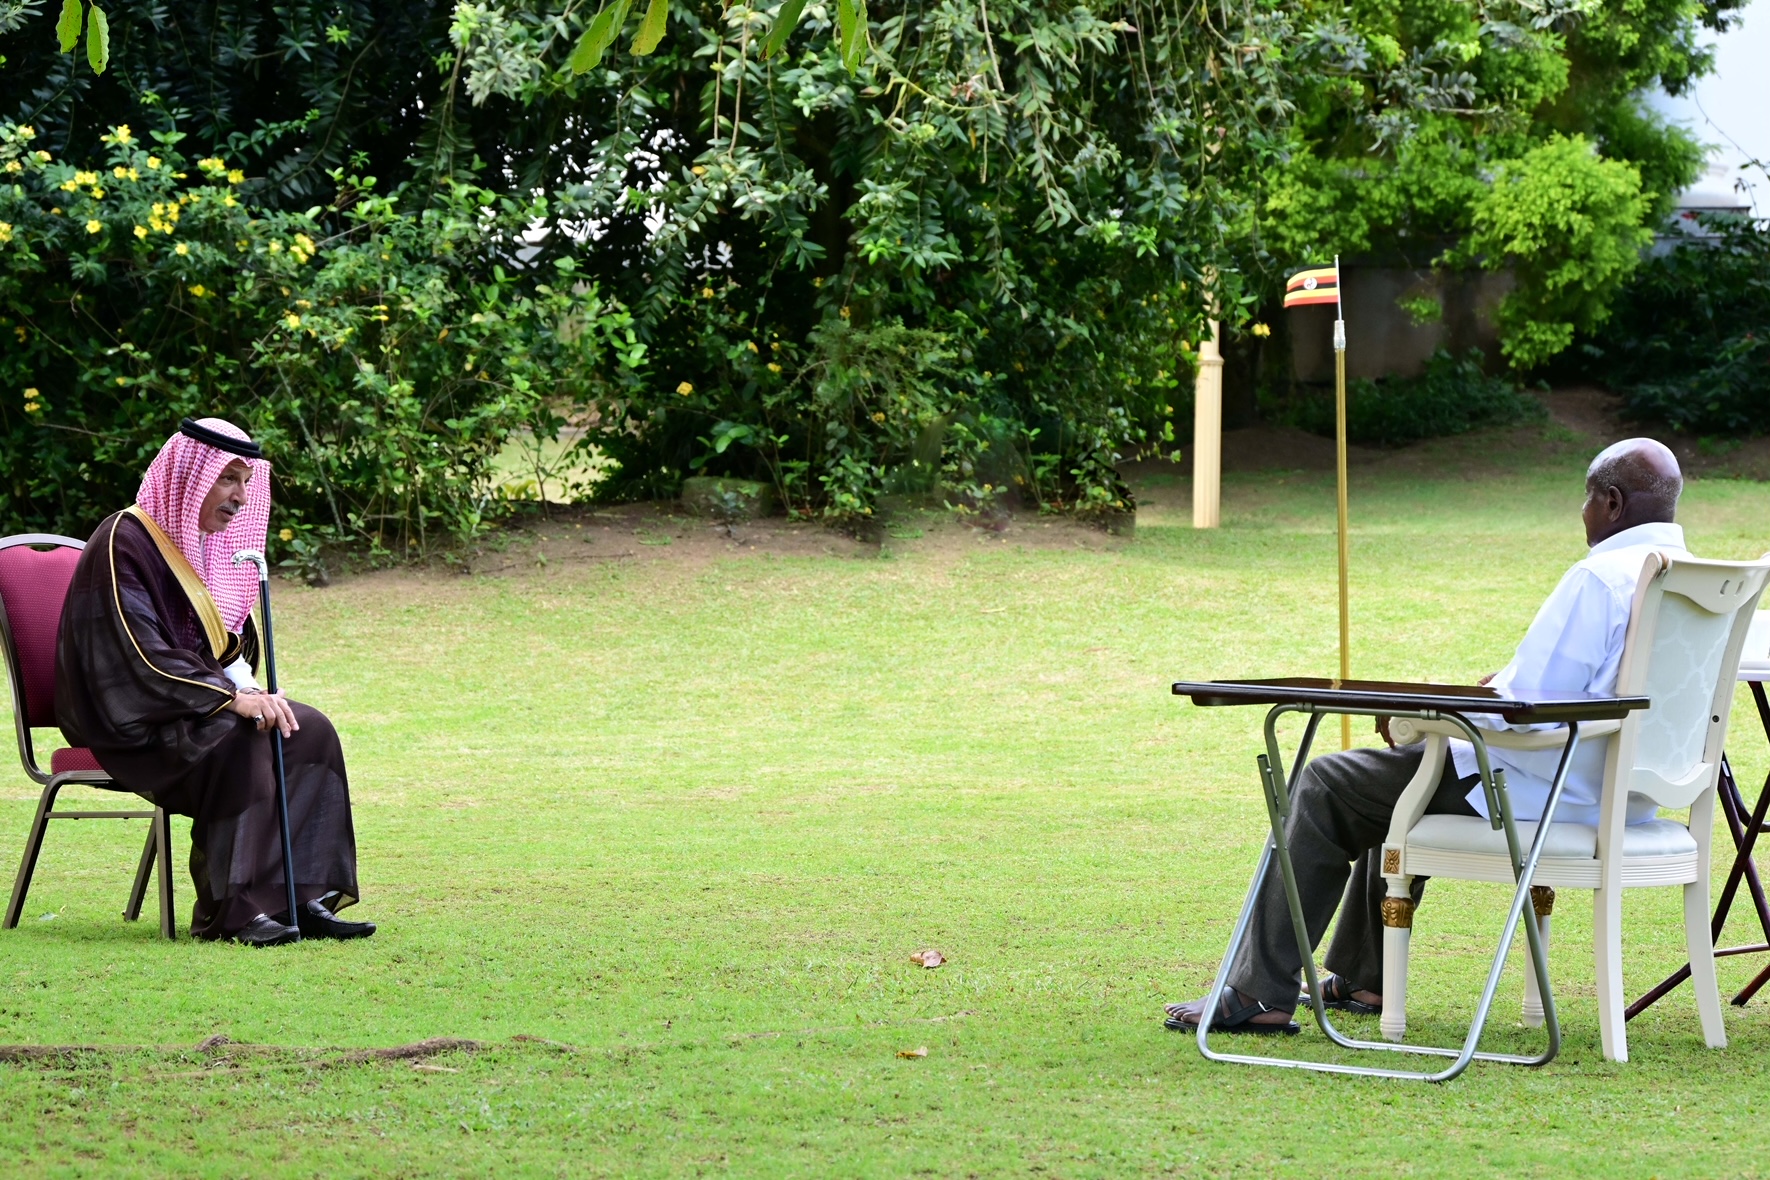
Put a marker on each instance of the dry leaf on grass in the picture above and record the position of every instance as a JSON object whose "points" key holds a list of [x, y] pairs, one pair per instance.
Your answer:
{"points": [[421, 1067], [918, 1051], [928, 958]]}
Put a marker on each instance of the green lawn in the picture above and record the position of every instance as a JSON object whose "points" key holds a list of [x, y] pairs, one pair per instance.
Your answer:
{"points": [[685, 820]]}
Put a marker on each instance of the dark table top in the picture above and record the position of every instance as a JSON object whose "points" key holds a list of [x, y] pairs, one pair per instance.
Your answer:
{"points": [[1403, 698]]}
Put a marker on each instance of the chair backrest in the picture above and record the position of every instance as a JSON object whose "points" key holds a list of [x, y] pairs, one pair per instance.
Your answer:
{"points": [[1686, 634], [1754, 662], [35, 571]]}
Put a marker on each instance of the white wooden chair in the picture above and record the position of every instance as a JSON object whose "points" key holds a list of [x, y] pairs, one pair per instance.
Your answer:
{"points": [[1687, 630]]}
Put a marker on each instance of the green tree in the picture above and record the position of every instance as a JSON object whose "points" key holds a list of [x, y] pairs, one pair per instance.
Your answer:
{"points": [[982, 244]]}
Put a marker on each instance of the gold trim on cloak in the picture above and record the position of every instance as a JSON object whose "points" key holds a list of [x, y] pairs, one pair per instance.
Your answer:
{"points": [[201, 600]]}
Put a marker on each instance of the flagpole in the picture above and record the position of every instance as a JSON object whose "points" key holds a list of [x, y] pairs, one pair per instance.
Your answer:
{"points": [[1340, 468]]}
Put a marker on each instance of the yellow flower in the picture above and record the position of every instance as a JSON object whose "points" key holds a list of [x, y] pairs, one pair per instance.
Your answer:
{"points": [[286, 535], [698, 170], [817, 282], [293, 320], [27, 133], [94, 226], [55, 212], [5, 232], [98, 194], [141, 231], [845, 313], [773, 368], [275, 247], [119, 172], [878, 417], [685, 389], [1262, 330], [706, 292], [229, 201], [153, 161], [234, 176], [43, 157], [68, 186], [32, 394], [32, 407], [181, 249], [123, 134], [198, 290], [751, 345], [85, 178], [14, 166]]}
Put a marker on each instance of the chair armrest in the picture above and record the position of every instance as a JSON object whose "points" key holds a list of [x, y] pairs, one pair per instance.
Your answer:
{"points": [[1406, 730], [1417, 796]]}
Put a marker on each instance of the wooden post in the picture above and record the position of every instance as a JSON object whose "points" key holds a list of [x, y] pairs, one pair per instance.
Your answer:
{"points": [[1207, 434]]}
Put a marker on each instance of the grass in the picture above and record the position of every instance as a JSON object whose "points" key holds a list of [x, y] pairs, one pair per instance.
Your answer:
{"points": [[685, 821]]}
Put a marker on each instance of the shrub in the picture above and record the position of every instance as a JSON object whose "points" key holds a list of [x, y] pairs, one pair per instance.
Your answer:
{"points": [[1690, 341], [1568, 223], [382, 355], [1452, 396]]}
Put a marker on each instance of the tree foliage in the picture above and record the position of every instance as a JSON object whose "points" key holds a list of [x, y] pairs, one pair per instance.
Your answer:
{"points": [[1690, 343], [932, 245], [382, 357]]}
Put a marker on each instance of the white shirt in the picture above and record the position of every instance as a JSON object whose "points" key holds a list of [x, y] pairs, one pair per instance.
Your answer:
{"points": [[1574, 645], [240, 672]]}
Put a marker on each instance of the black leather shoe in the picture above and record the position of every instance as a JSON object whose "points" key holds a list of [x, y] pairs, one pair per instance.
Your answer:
{"points": [[317, 921], [266, 931]]}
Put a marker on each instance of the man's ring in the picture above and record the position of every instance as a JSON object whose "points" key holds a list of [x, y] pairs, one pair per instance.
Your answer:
{"points": [[258, 717]]}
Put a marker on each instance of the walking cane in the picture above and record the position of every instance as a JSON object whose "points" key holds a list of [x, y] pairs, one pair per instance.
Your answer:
{"points": [[276, 735]]}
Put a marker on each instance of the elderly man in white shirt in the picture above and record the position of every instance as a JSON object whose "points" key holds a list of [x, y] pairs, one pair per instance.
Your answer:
{"points": [[1340, 812]]}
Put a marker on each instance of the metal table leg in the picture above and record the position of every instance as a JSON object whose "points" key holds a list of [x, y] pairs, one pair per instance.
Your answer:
{"points": [[1277, 790], [1745, 832]]}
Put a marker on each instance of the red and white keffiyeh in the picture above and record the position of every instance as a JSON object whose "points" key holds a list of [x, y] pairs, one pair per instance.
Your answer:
{"points": [[172, 493]]}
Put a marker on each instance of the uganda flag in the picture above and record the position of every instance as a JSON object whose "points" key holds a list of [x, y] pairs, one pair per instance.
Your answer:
{"points": [[1321, 285]]}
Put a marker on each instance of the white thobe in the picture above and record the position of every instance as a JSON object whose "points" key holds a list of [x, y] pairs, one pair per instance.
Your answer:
{"points": [[1574, 646]]}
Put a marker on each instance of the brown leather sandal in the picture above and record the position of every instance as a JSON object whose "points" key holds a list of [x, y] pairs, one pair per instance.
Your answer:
{"points": [[1232, 1017], [1336, 993]]}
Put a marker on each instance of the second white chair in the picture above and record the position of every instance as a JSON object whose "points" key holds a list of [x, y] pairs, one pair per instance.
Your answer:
{"points": [[1686, 632]]}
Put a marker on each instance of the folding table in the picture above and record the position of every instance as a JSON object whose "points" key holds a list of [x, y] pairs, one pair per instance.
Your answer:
{"points": [[1315, 698]]}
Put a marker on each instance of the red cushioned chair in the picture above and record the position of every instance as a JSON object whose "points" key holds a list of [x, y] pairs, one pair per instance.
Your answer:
{"points": [[35, 569]]}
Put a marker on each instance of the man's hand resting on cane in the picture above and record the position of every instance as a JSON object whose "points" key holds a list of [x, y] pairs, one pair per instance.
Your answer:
{"points": [[265, 709]]}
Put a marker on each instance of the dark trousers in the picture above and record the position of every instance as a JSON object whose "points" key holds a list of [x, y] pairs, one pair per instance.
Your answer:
{"points": [[1339, 819]]}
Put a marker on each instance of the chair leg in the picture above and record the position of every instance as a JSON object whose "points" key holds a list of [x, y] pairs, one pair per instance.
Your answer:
{"points": [[1542, 899], [163, 854], [138, 891], [1398, 922], [27, 863], [1702, 963], [1607, 961]]}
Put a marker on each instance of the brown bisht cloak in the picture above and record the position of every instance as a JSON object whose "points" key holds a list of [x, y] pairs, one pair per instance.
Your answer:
{"points": [[139, 681]]}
